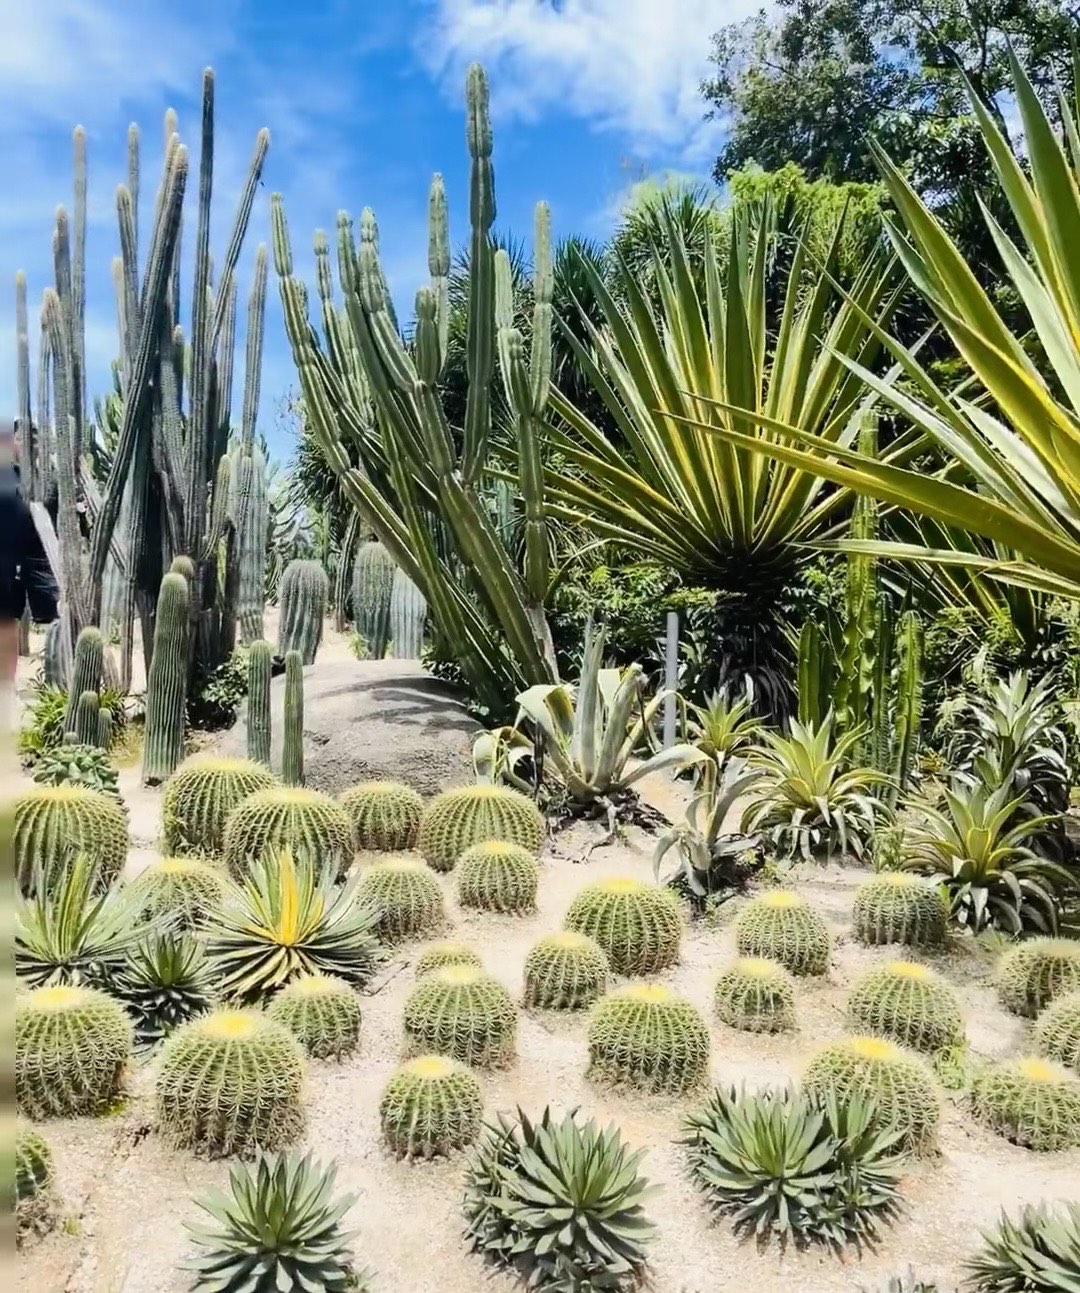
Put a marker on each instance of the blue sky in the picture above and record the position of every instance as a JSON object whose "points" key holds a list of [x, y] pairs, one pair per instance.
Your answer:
{"points": [[363, 102]]}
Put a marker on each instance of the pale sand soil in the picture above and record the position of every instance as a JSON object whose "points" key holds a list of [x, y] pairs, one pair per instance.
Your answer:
{"points": [[125, 1195]]}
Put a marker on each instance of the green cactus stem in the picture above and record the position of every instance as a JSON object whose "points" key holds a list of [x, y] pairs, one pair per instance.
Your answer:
{"points": [[166, 686], [292, 748], [304, 593], [258, 704]]}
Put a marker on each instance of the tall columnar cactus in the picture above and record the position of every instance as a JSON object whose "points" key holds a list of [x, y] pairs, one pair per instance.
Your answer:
{"points": [[166, 684], [408, 615], [637, 925], [258, 703], [251, 547], [292, 743], [53, 823], [200, 795], [431, 1106], [104, 729], [456, 819], [645, 1036], [56, 658], [304, 593], [86, 674], [87, 719], [373, 582]]}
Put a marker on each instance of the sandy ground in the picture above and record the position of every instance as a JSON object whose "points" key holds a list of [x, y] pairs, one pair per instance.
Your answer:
{"points": [[124, 1195]]}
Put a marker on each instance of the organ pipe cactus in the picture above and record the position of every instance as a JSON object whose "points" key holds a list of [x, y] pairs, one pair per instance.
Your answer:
{"points": [[166, 683], [258, 707], [304, 592], [292, 747]]}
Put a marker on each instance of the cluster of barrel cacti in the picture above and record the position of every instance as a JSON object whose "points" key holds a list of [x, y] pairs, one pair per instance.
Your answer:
{"points": [[457, 819]]}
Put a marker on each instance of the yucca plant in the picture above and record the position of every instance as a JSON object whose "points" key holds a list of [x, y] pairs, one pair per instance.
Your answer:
{"points": [[164, 982], [810, 800], [278, 1229], [1039, 1252], [286, 919], [978, 850], [559, 1202]]}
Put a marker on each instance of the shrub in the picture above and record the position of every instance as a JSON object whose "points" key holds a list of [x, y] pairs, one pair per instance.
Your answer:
{"points": [[229, 1084], [405, 895], [288, 817], [877, 1070], [51, 823], [185, 891], [647, 1037], [72, 1046], [457, 819], [215, 697], [496, 876], [438, 955], [278, 1227], [637, 925], [1037, 1253], [43, 730], [385, 815], [322, 1013], [164, 982], [87, 766], [788, 1168], [431, 1106], [757, 996], [1057, 1031], [461, 1012], [896, 907], [565, 971], [782, 926], [908, 1003], [559, 1203], [1030, 976], [33, 1181], [200, 795], [1032, 1102]]}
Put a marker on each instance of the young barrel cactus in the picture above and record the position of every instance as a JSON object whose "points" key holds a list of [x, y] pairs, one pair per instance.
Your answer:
{"points": [[756, 995], [438, 955], [186, 890], [323, 1014], [897, 1081], [406, 895], [898, 907], [385, 815], [637, 925], [565, 971], [52, 823], [1057, 1031], [230, 1084], [431, 1106], [457, 819], [910, 1004], [200, 795], [303, 596], [782, 926], [497, 876], [1033, 1102], [462, 1012], [1032, 974], [645, 1036], [72, 1046], [288, 817], [33, 1180]]}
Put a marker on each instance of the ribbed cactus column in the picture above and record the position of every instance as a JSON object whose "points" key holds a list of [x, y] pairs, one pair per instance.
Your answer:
{"points": [[85, 672], [373, 582], [292, 750], [166, 687], [85, 726], [304, 592], [258, 711], [56, 654], [408, 611], [104, 729]]}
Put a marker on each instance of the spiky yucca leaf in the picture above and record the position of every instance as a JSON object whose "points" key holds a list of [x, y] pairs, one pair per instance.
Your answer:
{"points": [[164, 982]]}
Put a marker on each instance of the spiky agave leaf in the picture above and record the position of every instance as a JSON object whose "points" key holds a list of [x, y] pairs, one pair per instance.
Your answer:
{"points": [[165, 981], [1037, 1253]]}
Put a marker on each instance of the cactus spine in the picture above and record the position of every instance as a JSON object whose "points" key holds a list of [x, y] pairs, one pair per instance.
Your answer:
{"points": [[304, 592], [258, 710], [372, 590], [292, 749], [166, 684]]}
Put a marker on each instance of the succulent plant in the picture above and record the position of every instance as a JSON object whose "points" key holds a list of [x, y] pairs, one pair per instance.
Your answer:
{"points": [[898, 907], [86, 672], [33, 1181], [789, 1168], [164, 982], [52, 823], [497, 876], [565, 971], [637, 925], [1033, 1102], [292, 741], [258, 704], [456, 819], [186, 891], [908, 1003], [1032, 974], [303, 595], [782, 926], [288, 817], [277, 1230], [431, 1106], [72, 1047], [200, 795], [1057, 1031], [438, 955], [385, 815], [558, 1202], [645, 1036], [756, 995], [230, 1084], [87, 766], [895, 1081], [1039, 1252], [322, 1013], [166, 681], [462, 1012], [406, 896]]}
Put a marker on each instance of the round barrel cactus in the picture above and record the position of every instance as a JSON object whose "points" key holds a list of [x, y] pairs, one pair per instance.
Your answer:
{"points": [[565, 971], [497, 876], [462, 1012], [33, 1180], [200, 795], [406, 895], [385, 815], [431, 1106], [909, 1003], [898, 907], [1057, 1031], [756, 995], [72, 1047], [457, 819], [437, 955], [637, 925], [1033, 1102], [185, 889], [306, 822], [645, 1036], [52, 823], [782, 926], [1032, 974], [323, 1014]]}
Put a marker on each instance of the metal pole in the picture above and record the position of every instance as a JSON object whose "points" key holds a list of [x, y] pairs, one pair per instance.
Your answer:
{"points": [[671, 676]]}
